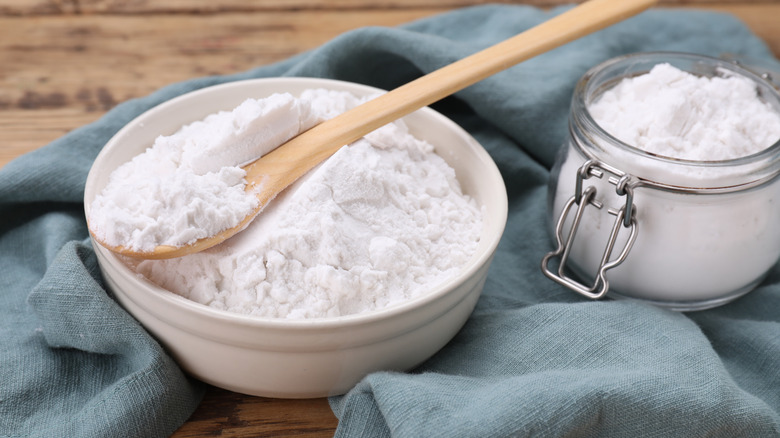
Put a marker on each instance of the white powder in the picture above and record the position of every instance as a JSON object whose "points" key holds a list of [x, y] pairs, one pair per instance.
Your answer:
{"points": [[377, 224], [189, 185], [676, 114]]}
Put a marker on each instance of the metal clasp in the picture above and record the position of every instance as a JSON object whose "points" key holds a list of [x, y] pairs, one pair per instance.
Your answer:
{"points": [[625, 217]]}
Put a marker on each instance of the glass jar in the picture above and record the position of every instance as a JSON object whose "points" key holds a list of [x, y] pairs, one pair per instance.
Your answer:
{"points": [[682, 234]]}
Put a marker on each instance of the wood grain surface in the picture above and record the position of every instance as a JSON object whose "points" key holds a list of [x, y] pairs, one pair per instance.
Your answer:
{"points": [[64, 63]]}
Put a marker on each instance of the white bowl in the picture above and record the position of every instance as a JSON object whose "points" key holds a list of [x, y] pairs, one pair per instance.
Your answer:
{"points": [[301, 358]]}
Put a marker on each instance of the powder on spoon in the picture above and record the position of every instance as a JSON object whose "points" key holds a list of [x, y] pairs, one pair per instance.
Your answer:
{"points": [[189, 185], [378, 223]]}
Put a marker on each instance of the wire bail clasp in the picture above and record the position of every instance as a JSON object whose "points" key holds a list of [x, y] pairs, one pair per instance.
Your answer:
{"points": [[625, 217]]}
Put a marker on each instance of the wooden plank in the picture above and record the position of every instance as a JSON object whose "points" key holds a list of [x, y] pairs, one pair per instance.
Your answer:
{"points": [[136, 6], [60, 72], [36, 7], [57, 73], [763, 20], [224, 413], [22, 131], [56, 7]]}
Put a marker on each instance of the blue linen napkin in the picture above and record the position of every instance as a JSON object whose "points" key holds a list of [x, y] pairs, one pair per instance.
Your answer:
{"points": [[533, 360]]}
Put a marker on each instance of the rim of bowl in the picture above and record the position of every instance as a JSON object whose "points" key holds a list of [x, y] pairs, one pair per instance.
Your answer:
{"points": [[492, 233]]}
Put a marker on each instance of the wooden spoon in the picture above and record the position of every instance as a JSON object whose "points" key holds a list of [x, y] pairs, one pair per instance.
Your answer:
{"points": [[278, 169]]}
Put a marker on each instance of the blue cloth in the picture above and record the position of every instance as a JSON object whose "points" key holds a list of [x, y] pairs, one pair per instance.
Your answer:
{"points": [[533, 360]]}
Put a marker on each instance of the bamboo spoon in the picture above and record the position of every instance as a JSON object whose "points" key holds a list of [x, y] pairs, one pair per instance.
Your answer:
{"points": [[278, 169]]}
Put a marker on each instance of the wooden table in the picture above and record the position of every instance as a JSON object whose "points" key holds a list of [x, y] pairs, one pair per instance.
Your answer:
{"points": [[64, 63]]}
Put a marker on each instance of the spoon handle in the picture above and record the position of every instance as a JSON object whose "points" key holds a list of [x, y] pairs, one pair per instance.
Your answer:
{"points": [[287, 163], [276, 170]]}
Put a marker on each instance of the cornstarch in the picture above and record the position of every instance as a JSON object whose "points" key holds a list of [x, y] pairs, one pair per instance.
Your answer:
{"points": [[378, 223], [188, 185], [676, 114]]}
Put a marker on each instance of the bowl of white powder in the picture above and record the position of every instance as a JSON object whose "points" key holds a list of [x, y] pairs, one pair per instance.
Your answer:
{"points": [[667, 188], [372, 261]]}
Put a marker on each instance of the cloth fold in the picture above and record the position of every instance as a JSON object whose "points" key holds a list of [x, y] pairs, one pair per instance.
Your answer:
{"points": [[533, 360]]}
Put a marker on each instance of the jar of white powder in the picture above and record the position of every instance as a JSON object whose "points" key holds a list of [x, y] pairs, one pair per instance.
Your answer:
{"points": [[667, 189]]}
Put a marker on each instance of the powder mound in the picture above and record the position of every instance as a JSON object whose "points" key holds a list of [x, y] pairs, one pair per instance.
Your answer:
{"points": [[380, 222], [188, 185], [148, 209], [676, 114]]}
